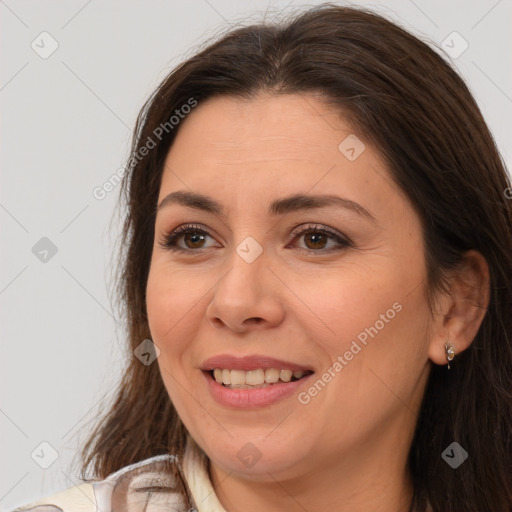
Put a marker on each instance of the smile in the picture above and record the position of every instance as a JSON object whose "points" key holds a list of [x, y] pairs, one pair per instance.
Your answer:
{"points": [[258, 378]]}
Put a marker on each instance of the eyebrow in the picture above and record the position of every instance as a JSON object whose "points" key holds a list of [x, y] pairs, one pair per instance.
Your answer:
{"points": [[296, 202]]}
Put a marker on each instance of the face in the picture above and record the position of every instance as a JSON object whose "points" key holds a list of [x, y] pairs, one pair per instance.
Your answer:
{"points": [[269, 267]]}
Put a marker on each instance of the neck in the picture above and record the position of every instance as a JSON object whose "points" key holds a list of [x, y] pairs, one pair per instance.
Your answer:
{"points": [[358, 484]]}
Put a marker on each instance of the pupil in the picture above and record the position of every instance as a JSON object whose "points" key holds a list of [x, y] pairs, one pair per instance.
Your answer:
{"points": [[316, 239], [194, 238]]}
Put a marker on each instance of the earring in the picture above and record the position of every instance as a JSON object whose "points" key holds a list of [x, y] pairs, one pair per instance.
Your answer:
{"points": [[450, 352]]}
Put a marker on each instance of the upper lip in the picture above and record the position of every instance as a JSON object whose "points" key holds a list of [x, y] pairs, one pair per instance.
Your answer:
{"points": [[254, 362]]}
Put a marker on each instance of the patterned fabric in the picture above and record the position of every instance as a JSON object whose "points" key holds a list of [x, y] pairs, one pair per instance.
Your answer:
{"points": [[141, 487]]}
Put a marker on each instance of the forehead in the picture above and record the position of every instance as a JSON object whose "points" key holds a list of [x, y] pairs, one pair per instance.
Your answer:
{"points": [[266, 127], [273, 144]]}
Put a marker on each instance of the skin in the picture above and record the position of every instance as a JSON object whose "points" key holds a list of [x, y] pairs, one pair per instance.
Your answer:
{"points": [[347, 448]]}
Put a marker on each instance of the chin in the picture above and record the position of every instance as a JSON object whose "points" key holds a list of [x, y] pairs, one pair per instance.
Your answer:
{"points": [[256, 457]]}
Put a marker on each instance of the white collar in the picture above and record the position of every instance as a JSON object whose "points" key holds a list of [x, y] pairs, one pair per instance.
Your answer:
{"points": [[194, 462]]}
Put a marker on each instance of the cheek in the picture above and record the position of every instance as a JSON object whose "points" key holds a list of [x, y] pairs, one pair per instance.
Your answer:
{"points": [[378, 313], [342, 303], [383, 343], [381, 339], [173, 304]]}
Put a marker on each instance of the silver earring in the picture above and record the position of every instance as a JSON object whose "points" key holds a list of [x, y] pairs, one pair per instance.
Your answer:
{"points": [[450, 352]]}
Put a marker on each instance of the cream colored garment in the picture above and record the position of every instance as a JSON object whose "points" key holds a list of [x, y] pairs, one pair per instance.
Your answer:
{"points": [[198, 480], [118, 492], [75, 499]]}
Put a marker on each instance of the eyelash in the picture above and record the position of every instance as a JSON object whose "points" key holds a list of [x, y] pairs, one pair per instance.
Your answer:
{"points": [[169, 240]]}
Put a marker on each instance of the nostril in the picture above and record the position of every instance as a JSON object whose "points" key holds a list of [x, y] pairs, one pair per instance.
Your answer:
{"points": [[254, 320]]}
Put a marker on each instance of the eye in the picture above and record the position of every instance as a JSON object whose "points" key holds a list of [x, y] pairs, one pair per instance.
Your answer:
{"points": [[192, 236], [317, 238]]}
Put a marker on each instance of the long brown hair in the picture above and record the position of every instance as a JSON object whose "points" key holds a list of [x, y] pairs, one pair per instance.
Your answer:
{"points": [[407, 100]]}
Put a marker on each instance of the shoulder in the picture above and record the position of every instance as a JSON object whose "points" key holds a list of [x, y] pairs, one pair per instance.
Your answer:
{"points": [[143, 486]]}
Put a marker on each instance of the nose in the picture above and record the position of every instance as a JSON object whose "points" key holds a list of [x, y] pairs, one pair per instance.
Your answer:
{"points": [[247, 297]]}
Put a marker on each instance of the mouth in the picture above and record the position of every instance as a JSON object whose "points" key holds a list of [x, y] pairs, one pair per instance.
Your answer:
{"points": [[255, 379]]}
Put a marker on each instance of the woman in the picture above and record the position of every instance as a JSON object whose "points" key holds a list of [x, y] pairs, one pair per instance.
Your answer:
{"points": [[317, 280]]}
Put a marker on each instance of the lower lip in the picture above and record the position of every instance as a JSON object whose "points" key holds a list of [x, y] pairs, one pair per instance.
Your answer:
{"points": [[250, 398]]}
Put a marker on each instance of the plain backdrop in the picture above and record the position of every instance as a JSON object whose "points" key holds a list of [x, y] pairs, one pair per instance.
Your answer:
{"points": [[66, 120]]}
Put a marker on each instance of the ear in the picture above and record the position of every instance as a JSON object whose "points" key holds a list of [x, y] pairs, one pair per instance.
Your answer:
{"points": [[459, 313]]}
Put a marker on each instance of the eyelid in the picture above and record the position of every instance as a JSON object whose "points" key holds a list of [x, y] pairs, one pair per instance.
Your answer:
{"points": [[169, 237], [168, 241], [343, 242], [320, 228]]}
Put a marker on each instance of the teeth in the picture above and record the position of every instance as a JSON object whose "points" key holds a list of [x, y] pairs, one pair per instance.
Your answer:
{"points": [[271, 375], [240, 379], [236, 377], [254, 377], [245, 386], [286, 375]]}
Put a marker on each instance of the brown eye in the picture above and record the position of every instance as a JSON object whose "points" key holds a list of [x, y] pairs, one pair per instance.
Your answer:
{"points": [[194, 240], [320, 239], [186, 238], [315, 240]]}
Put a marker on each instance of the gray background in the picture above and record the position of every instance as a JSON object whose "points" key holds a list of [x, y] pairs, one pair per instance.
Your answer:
{"points": [[65, 129]]}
